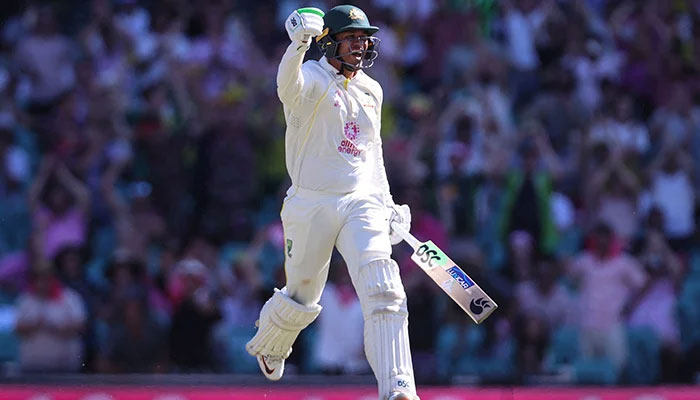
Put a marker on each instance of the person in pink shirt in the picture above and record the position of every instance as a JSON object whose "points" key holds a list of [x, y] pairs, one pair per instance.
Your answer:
{"points": [[59, 203], [607, 279]]}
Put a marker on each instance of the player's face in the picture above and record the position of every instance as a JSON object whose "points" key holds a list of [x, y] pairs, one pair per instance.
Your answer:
{"points": [[353, 44]]}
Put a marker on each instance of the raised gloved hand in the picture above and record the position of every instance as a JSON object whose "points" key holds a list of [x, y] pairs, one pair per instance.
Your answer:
{"points": [[402, 215], [304, 23]]}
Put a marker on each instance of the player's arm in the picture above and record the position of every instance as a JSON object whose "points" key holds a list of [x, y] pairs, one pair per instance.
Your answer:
{"points": [[301, 26]]}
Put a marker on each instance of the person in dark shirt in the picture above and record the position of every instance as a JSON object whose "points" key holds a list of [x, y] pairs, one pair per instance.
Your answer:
{"points": [[193, 321], [136, 340]]}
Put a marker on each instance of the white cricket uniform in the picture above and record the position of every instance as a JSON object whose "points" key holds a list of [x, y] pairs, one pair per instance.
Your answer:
{"points": [[339, 197], [334, 157]]}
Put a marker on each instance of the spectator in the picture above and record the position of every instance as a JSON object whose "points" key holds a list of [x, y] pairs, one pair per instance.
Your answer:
{"points": [[621, 132], [672, 191], [676, 116], [461, 155], [136, 222], [544, 296], [607, 280], [123, 273], [51, 319], [544, 304], [521, 256], [341, 312], [190, 339], [136, 342], [560, 111], [46, 57], [523, 20], [459, 164], [530, 188], [612, 195], [656, 305], [69, 265], [59, 203]]}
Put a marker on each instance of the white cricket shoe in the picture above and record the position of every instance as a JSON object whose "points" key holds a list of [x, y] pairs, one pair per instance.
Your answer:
{"points": [[271, 366], [401, 396]]}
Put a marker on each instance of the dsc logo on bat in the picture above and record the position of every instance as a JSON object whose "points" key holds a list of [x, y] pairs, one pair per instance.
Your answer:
{"points": [[460, 277]]}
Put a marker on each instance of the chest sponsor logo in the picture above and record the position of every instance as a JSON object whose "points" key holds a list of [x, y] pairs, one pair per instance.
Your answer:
{"points": [[351, 131]]}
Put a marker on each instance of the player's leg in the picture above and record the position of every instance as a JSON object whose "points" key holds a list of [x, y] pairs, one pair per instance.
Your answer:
{"points": [[364, 243], [310, 230]]}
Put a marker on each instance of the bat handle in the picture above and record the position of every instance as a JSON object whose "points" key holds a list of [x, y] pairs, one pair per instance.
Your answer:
{"points": [[405, 234]]}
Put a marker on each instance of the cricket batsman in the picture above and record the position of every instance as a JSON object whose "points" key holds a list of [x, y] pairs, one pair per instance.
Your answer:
{"points": [[339, 197]]}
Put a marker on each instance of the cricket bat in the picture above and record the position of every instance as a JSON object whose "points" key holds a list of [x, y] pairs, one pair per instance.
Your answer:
{"points": [[449, 276]]}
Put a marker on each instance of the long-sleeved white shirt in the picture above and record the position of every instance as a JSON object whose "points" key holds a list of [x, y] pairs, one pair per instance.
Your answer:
{"points": [[332, 141]]}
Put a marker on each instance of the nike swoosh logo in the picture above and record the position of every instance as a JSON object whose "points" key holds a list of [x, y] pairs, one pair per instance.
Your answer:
{"points": [[267, 369]]}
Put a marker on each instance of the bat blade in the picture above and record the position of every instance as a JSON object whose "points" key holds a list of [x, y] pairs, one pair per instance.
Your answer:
{"points": [[453, 281]]}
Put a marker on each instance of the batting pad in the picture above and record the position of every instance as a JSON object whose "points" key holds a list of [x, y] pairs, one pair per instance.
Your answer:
{"points": [[387, 347], [281, 320]]}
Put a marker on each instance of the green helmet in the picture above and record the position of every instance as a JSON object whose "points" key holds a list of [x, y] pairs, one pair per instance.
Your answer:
{"points": [[341, 19], [344, 18]]}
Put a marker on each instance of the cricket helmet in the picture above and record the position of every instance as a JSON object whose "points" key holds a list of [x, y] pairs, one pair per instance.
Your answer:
{"points": [[341, 19]]}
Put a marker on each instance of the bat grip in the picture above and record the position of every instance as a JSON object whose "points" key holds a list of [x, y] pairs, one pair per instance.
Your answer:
{"points": [[405, 234]]}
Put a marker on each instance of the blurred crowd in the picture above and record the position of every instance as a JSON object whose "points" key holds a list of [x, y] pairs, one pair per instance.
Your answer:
{"points": [[551, 148]]}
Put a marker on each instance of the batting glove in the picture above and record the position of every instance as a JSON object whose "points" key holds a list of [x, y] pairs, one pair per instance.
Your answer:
{"points": [[402, 215], [304, 23]]}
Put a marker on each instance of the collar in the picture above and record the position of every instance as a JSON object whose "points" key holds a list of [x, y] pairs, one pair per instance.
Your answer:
{"points": [[334, 72]]}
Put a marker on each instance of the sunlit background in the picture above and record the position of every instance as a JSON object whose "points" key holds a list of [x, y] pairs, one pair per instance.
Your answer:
{"points": [[550, 147]]}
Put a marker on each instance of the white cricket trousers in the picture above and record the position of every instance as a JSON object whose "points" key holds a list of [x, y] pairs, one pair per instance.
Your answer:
{"points": [[314, 222], [357, 225]]}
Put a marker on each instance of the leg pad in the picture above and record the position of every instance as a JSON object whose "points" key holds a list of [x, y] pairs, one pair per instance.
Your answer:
{"points": [[387, 347], [281, 320]]}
